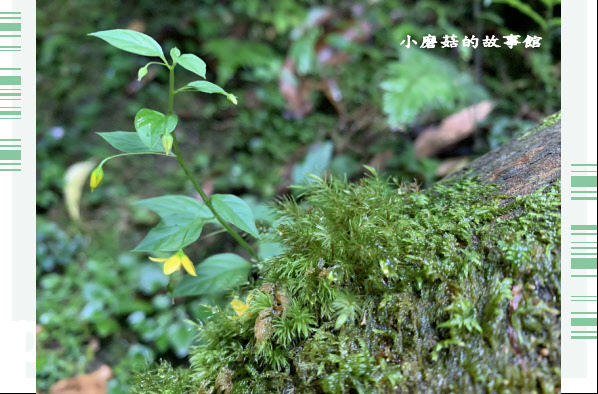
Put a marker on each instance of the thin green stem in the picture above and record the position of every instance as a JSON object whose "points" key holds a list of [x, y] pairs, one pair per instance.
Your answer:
{"points": [[171, 92], [206, 199], [131, 154], [183, 89], [158, 63]]}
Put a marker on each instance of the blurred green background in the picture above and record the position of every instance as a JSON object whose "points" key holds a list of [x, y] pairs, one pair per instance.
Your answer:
{"points": [[321, 85]]}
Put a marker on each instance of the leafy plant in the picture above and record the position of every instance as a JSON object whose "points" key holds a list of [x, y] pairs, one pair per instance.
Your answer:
{"points": [[182, 218], [420, 82], [87, 313]]}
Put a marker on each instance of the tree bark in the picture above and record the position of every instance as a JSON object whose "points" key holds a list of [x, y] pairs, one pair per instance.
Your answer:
{"points": [[523, 165]]}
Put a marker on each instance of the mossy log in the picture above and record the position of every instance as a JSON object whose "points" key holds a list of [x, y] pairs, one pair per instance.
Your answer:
{"points": [[384, 288], [524, 164]]}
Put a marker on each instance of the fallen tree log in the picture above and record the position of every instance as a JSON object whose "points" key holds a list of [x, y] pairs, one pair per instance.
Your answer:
{"points": [[524, 164]]}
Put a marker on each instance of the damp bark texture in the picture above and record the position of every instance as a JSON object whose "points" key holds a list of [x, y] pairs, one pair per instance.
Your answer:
{"points": [[523, 165]]}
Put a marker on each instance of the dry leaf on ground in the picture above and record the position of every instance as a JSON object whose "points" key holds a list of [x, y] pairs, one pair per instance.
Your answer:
{"points": [[451, 165], [452, 129], [91, 383]]}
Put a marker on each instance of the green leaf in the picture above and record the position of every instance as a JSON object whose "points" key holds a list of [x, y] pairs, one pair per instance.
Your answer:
{"points": [[341, 319], [235, 211], [267, 249], [129, 142], [304, 53], [131, 41], [180, 337], [175, 53], [422, 82], [142, 72], [150, 125], [316, 161], [247, 54], [171, 205], [172, 233], [216, 273], [171, 122], [183, 219], [193, 64], [207, 87]]}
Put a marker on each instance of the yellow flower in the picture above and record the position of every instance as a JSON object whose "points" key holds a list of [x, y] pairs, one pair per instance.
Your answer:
{"points": [[174, 262], [96, 177], [239, 306]]}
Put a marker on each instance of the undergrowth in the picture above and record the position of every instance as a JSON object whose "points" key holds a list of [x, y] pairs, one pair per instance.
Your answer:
{"points": [[384, 288]]}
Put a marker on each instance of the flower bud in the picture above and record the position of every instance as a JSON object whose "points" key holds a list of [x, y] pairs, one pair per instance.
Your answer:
{"points": [[142, 72], [167, 142], [232, 98], [96, 177]]}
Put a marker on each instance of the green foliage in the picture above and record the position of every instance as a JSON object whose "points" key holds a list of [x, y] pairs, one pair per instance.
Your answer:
{"points": [[190, 62], [246, 54], [249, 148], [131, 41], [182, 221], [297, 324], [421, 82], [215, 274], [88, 312], [129, 142], [150, 125], [316, 162], [383, 288], [235, 211], [347, 308], [162, 378]]}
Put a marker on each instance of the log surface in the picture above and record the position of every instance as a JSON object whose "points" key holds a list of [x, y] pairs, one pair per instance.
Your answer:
{"points": [[523, 165]]}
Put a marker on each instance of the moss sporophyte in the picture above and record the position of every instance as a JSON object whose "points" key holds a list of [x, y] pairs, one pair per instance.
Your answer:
{"points": [[174, 263]]}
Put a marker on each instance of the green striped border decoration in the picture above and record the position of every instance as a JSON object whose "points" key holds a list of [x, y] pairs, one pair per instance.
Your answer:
{"points": [[583, 182], [583, 325], [10, 155], [10, 26], [584, 298], [584, 250], [10, 90]]}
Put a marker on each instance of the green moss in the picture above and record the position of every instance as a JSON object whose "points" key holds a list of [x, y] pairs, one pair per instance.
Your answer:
{"points": [[163, 378], [386, 289], [548, 121], [551, 119]]}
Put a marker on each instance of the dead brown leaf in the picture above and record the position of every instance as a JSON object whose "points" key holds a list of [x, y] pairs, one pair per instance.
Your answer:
{"points": [[297, 89], [379, 161], [137, 25], [91, 383], [453, 129], [451, 165]]}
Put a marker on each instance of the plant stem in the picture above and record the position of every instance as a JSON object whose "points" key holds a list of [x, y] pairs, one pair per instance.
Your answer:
{"points": [[206, 199], [132, 154], [171, 90]]}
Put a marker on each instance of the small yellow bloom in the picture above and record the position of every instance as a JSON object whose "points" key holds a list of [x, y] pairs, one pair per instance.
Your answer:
{"points": [[174, 262], [239, 306], [96, 177]]}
